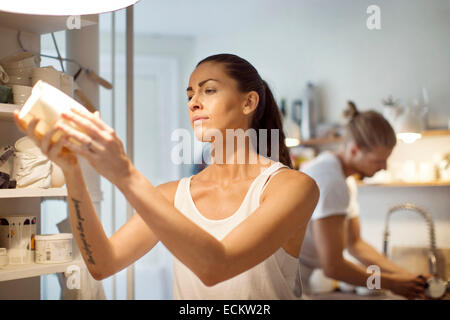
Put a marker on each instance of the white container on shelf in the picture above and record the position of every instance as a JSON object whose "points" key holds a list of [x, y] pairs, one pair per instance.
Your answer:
{"points": [[20, 60], [17, 236], [54, 248], [21, 94], [3, 257]]}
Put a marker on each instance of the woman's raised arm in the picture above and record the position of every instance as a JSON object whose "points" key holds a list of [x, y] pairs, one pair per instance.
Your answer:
{"points": [[102, 256]]}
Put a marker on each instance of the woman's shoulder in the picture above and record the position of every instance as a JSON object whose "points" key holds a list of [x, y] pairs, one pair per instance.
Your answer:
{"points": [[287, 180], [169, 189]]}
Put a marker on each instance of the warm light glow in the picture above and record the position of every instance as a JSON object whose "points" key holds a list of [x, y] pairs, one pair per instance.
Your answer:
{"points": [[291, 142], [409, 137], [64, 7]]}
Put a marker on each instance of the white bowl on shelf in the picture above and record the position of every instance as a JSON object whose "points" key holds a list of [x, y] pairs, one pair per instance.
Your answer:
{"points": [[24, 72], [20, 60], [19, 80]]}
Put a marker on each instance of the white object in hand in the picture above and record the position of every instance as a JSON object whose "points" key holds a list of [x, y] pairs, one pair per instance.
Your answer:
{"points": [[47, 103]]}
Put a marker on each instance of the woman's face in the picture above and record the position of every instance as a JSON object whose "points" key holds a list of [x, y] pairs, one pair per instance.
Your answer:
{"points": [[214, 101]]}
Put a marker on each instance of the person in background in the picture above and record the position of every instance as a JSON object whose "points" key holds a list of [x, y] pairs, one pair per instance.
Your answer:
{"points": [[334, 225]]}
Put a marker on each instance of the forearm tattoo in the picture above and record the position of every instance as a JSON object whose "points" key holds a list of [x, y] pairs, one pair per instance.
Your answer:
{"points": [[80, 228]]}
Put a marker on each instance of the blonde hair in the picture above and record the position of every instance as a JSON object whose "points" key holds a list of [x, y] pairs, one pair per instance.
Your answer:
{"points": [[368, 129]]}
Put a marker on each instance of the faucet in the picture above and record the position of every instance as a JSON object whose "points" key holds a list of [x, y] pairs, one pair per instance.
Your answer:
{"points": [[435, 287], [411, 207]]}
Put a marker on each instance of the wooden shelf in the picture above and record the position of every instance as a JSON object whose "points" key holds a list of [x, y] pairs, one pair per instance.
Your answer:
{"points": [[40, 24], [21, 271], [406, 184], [434, 133], [319, 141], [316, 142], [33, 193], [7, 110]]}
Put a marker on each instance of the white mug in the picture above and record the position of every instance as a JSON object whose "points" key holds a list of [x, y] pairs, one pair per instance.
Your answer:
{"points": [[21, 94]]}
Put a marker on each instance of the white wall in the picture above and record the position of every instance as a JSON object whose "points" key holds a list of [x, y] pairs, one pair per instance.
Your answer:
{"points": [[327, 42]]}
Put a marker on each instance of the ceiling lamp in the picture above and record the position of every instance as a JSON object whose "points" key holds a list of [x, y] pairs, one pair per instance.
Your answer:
{"points": [[63, 7]]}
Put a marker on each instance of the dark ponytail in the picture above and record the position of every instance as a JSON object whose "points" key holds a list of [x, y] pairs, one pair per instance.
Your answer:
{"points": [[267, 114], [269, 118]]}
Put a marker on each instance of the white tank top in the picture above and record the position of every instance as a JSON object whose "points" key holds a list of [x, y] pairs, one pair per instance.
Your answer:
{"points": [[277, 277]]}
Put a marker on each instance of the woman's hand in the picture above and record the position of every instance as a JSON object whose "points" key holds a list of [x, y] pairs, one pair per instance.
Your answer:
{"points": [[56, 152], [98, 143]]}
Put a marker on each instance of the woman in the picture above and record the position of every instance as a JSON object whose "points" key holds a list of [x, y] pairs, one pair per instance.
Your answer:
{"points": [[235, 229], [334, 225]]}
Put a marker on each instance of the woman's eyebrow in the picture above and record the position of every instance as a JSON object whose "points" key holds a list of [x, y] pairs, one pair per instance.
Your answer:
{"points": [[201, 83]]}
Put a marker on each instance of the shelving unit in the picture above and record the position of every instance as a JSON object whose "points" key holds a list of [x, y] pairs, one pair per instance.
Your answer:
{"points": [[320, 142], [24, 281], [23, 271], [33, 193], [434, 133]]}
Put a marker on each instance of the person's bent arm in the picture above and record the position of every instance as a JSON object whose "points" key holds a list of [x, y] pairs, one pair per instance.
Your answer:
{"points": [[329, 234], [365, 253]]}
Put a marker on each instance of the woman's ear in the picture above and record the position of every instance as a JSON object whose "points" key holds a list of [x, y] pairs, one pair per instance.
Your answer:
{"points": [[251, 102]]}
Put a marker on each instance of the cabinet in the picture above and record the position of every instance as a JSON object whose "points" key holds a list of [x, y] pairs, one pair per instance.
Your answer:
{"points": [[23, 281]]}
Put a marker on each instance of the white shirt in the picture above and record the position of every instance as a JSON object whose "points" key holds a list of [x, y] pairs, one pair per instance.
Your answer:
{"points": [[277, 277], [337, 197]]}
